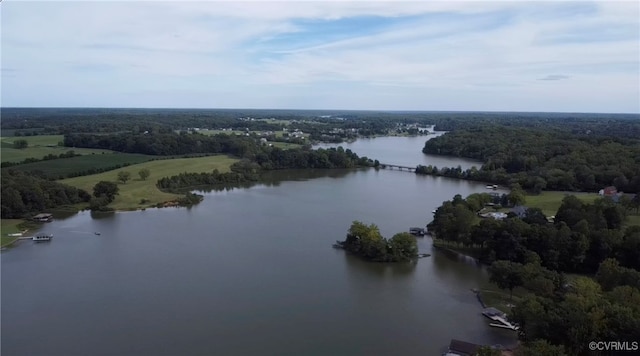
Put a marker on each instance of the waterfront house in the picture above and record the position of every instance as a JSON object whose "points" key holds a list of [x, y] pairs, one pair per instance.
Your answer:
{"points": [[519, 211]]}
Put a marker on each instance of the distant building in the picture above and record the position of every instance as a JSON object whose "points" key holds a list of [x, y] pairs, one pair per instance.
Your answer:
{"points": [[608, 191], [497, 216]]}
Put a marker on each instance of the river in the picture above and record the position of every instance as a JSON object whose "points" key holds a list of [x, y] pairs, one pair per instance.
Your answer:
{"points": [[248, 271]]}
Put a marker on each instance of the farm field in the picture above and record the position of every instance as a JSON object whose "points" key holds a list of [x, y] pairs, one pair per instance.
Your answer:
{"points": [[38, 147], [61, 168], [134, 191]]}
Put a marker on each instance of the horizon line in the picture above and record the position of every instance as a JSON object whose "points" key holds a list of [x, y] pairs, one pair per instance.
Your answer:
{"points": [[294, 109]]}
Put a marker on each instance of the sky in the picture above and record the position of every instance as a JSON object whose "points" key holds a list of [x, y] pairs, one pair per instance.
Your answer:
{"points": [[543, 56]]}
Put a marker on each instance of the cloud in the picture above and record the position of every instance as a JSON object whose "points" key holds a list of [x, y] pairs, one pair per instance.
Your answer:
{"points": [[555, 77], [347, 54]]}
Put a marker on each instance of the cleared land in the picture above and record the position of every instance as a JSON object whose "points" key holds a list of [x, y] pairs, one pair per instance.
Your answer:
{"points": [[38, 147], [549, 202], [61, 168], [9, 226], [134, 191]]}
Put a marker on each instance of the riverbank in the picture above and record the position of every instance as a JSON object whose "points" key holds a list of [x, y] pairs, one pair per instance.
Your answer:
{"points": [[138, 193], [14, 226]]}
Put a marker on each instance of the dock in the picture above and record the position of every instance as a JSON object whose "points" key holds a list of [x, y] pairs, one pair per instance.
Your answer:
{"points": [[500, 319]]}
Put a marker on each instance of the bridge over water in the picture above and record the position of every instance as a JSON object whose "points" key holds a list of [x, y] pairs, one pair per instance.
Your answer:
{"points": [[397, 166]]}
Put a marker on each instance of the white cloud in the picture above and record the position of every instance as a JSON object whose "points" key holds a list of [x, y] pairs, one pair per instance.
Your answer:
{"points": [[445, 56]]}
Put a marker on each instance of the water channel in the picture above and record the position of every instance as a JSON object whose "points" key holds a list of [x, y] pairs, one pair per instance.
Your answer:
{"points": [[250, 271]]}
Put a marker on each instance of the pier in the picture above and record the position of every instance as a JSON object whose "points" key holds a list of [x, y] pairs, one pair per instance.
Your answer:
{"points": [[399, 167]]}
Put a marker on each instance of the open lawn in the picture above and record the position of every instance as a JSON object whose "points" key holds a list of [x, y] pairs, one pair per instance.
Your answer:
{"points": [[549, 202], [39, 146], [9, 226], [285, 145], [61, 168], [134, 191]]}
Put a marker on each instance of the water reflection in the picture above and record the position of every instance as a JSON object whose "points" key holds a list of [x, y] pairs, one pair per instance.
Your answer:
{"points": [[276, 178], [380, 270], [100, 215]]}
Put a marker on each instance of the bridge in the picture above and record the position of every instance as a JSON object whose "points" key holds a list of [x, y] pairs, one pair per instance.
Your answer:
{"points": [[399, 167]]}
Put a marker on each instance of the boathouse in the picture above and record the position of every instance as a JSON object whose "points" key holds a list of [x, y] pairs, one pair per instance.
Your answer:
{"points": [[462, 348], [43, 217]]}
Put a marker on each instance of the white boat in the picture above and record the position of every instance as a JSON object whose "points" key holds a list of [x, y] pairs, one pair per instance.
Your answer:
{"points": [[42, 237]]}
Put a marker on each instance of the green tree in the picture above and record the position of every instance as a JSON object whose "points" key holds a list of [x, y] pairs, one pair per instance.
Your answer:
{"points": [[506, 275], [144, 173], [105, 189], [403, 246], [488, 351], [540, 348], [609, 274], [20, 144], [124, 176], [516, 196]]}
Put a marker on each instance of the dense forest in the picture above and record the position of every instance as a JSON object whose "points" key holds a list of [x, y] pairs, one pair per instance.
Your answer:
{"points": [[24, 194], [367, 242], [543, 158], [532, 253]]}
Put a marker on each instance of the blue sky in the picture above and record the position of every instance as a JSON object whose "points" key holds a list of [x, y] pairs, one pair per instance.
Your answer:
{"points": [[468, 56]]}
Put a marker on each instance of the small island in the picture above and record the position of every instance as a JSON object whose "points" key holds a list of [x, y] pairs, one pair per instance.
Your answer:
{"points": [[367, 242]]}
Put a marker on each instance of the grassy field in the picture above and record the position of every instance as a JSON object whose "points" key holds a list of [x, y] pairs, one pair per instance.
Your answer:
{"points": [[285, 145], [39, 146], [549, 202], [58, 168], [12, 226], [132, 192]]}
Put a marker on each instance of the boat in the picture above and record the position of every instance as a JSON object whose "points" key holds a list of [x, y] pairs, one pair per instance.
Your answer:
{"points": [[416, 231], [500, 319], [97, 233], [42, 237]]}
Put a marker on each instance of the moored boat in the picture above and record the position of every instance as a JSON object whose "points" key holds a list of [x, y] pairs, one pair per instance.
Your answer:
{"points": [[42, 237]]}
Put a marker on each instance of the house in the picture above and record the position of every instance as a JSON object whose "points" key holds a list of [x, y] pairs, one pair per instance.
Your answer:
{"points": [[519, 211], [462, 348], [263, 141], [497, 216], [608, 191]]}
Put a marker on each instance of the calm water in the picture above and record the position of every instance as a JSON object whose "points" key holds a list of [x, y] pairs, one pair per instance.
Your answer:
{"points": [[248, 271], [403, 151]]}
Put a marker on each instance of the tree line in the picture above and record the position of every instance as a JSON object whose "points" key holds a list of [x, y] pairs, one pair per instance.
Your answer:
{"points": [[24, 194], [268, 158], [580, 238], [541, 158], [48, 157]]}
